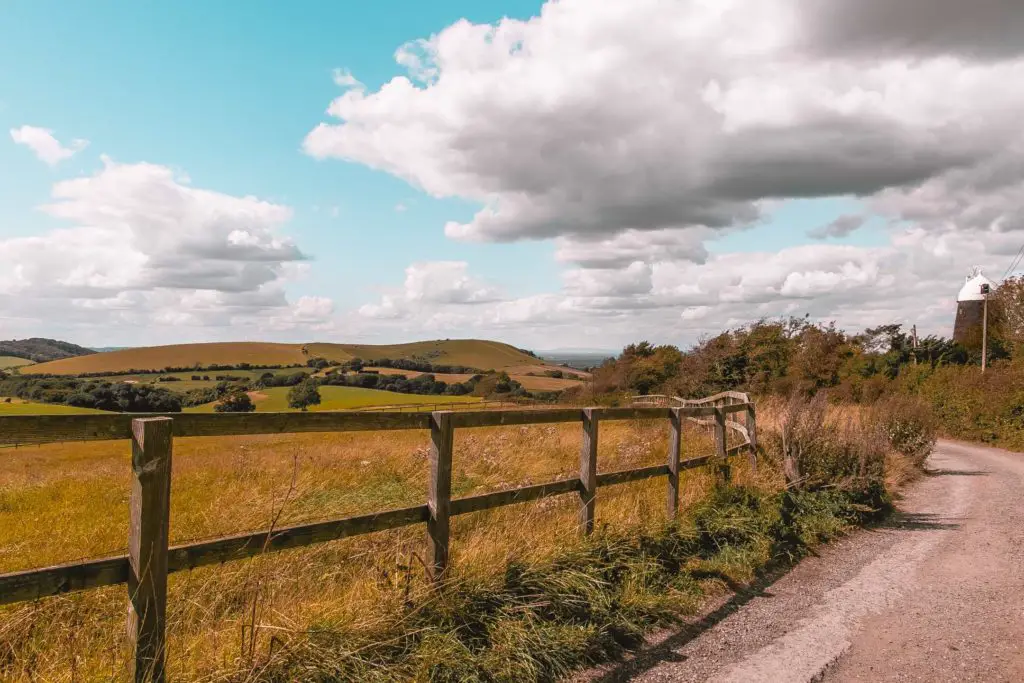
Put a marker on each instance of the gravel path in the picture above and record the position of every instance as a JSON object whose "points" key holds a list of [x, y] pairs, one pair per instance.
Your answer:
{"points": [[935, 595]]}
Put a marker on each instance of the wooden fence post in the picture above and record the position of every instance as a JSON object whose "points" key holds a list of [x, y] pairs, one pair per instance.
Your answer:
{"points": [[723, 459], [440, 495], [149, 519], [752, 434], [675, 443], [588, 469]]}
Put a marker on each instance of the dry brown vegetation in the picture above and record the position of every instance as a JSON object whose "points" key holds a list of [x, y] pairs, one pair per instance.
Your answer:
{"points": [[360, 609], [176, 355]]}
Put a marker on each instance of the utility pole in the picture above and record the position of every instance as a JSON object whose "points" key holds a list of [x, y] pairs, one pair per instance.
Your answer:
{"points": [[984, 327], [913, 336]]}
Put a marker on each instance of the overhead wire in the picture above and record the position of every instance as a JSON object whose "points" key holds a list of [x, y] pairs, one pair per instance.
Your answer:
{"points": [[1013, 264]]}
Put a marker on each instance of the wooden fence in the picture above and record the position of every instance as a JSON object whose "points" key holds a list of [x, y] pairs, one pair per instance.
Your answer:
{"points": [[150, 558]]}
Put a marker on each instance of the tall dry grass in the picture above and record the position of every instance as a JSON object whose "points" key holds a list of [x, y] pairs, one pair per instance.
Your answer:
{"points": [[529, 599]]}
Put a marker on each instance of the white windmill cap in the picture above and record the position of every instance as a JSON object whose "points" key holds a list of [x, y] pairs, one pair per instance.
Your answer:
{"points": [[971, 291]]}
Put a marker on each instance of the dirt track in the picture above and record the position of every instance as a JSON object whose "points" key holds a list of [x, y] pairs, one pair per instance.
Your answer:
{"points": [[935, 595]]}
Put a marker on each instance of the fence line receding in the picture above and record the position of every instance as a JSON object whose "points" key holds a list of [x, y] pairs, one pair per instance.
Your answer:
{"points": [[150, 558]]}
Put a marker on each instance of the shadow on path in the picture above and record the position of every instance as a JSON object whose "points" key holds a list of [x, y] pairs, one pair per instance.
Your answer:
{"points": [[956, 473], [917, 521], [664, 651]]}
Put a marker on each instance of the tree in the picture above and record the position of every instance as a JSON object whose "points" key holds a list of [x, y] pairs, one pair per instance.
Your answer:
{"points": [[238, 402], [303, 395]]}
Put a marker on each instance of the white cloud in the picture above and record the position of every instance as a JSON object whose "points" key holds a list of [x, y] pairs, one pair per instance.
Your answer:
{"points": [[144, 249], [447, 282], [636, 132], [45, 145], [343, 78], [597, 118], [428, 285]]}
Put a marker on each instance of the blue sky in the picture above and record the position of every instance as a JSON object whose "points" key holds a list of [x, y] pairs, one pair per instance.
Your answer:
{"points": [[227, 97], [595, 255]]}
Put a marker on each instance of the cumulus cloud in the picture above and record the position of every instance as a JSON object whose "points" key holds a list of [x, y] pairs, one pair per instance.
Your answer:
{"points": [[144, 248], [634, 134], [597, 118], [840, 227], [982, 29], [45, 145], [428, 285]]}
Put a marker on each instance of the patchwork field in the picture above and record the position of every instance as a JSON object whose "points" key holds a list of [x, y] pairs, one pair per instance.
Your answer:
{"points": [[475, 353], [17, 406], [185, 382], [275, 399], [13, 362], [536, 383], [450, 378]]}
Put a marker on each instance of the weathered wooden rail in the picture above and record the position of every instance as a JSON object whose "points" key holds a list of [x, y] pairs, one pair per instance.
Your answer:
{"points": [[150, 558]]}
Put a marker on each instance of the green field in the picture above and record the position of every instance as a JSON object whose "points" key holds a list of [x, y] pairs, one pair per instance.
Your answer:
{"points": [[19, 407], [186, 382], [340, 398], [13, 362]]}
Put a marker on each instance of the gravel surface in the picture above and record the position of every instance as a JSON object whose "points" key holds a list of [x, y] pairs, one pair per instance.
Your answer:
{"points": [[935, 595]]}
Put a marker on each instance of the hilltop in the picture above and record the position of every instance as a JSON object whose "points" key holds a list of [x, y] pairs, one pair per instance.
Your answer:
{"points": [[40, 350], [474, 353]]}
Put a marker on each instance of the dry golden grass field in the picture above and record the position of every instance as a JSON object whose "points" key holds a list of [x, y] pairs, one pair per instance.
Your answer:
{"points": [[177, 355], [7, 362], [475, 353], [61, 502], [450, 378], [360, 609]]}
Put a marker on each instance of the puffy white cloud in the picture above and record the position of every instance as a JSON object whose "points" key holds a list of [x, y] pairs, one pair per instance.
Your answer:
{"points": [[631, 280], [597, 118], [429, 284], [622, 249], [147, 249], [636, 132], [45, 145]]}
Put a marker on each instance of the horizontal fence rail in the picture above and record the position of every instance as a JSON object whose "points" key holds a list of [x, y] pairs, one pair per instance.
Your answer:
{"points": [[152, 437]]}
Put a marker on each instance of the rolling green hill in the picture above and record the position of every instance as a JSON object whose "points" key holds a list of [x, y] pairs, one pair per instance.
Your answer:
{"points": [[475, 353], [177, 355]]}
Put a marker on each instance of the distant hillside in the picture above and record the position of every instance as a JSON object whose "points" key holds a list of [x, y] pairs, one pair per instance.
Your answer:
{"points": [[176, 355], [40, 350], [475, 353]]}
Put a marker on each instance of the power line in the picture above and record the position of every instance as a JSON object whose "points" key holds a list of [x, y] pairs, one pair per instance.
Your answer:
{"points": [[1016, 262]]}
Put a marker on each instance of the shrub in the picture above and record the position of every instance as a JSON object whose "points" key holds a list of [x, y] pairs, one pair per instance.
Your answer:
{"points": [[823, 446], [238, 402], [908, 425]]}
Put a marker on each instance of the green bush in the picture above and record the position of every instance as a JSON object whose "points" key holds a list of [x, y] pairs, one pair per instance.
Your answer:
{"points": [[908, 425]]}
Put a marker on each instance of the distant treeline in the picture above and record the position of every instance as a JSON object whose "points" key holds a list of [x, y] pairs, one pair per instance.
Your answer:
{"points": [[41, 350], [357, 364], [87, 393], [215, 367], [421, 384]]}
